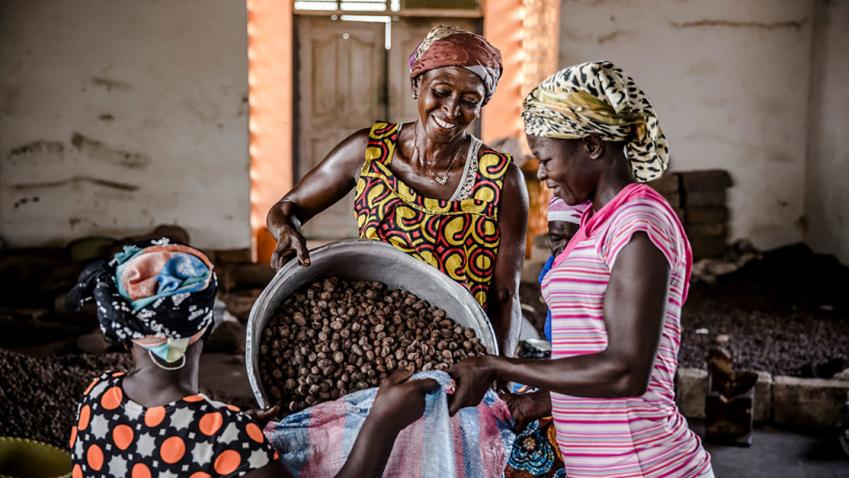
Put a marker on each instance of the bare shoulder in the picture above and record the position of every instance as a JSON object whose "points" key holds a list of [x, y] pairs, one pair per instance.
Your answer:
{"points": [[513, 219], [514, 185], [359, 137], [347, 156], [352, 146]]}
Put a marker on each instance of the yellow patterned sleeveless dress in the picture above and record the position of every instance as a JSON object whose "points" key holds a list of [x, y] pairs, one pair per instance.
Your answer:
{"points": [[460, 237]]}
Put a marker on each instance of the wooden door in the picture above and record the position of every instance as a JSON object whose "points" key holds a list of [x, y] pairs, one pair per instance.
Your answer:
{"points": [[340, 89], [407, 32]]}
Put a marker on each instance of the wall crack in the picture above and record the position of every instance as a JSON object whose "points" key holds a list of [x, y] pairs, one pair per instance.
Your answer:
{"points": [[76, 180], [793, 24]]}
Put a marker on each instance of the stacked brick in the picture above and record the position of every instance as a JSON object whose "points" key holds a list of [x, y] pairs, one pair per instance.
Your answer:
{"points": [[700, 199]]}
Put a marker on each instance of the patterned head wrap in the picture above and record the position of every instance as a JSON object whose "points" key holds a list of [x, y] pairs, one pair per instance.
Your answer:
{"points": [[446, 45], [558, 210], [599, 98], [158, 295]]}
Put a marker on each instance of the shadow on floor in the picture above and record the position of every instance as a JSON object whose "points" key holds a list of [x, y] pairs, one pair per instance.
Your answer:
{"points": [[780, 453]]}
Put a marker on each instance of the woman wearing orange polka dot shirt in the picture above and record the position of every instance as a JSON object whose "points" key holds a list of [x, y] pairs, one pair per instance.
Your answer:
{"points": [[153, 422]]}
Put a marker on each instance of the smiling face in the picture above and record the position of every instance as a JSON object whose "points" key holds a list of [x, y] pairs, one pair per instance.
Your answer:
{"points": [[450, 98], [566, 166]]}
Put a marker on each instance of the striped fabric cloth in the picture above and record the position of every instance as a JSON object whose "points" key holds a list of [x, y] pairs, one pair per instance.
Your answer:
{"points": [[630, 437], [474, 443]]}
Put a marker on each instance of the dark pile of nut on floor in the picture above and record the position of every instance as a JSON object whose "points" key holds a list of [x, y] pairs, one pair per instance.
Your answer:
{"points": [[334, 337], [40, 395]]}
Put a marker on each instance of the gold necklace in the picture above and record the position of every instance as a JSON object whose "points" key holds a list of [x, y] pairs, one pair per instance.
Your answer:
{"points": [[439, 179]]}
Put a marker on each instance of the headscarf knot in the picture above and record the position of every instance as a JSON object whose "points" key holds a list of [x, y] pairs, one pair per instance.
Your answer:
{"points": [[156, 294]]}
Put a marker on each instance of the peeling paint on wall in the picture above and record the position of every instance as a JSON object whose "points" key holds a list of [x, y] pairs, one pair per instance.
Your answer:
{"points": [[602, 39], [76, 180], [25, 200], [100, 120], [38, 146], [111, 84], [794, 24], [97, 150]]}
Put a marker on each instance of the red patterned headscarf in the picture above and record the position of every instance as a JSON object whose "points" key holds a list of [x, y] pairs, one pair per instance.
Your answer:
{"points": [[446, 45]]}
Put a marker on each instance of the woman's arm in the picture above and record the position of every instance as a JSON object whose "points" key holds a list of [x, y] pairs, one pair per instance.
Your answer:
{"points": [[513, 225], [367, 459], [633, 315], [399, 402], [322, 187]]}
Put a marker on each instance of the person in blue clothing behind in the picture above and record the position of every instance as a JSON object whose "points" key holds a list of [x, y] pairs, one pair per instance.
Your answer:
{"points": [[535, 453], [563, 222]]}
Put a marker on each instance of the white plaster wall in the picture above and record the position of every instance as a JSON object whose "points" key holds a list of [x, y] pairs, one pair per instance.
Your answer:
{"points": [[827, 205], [730, 82], [118, 115]]}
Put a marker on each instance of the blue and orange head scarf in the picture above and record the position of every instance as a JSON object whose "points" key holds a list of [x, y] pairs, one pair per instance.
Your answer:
{"points": [[156, 294]]}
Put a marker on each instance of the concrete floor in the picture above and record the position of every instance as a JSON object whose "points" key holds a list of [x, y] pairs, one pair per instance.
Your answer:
{"points": [[780, 453], [774, 453]]}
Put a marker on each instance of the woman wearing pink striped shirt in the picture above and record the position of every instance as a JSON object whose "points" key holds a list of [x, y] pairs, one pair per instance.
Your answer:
{"points": [[615, 292]]}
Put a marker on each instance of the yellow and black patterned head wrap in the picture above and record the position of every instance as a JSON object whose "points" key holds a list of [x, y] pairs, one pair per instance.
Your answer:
{"points": [[599, 98]]}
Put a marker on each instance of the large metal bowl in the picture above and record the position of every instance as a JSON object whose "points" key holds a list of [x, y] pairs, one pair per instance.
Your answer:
{"points": [[364, 260]]}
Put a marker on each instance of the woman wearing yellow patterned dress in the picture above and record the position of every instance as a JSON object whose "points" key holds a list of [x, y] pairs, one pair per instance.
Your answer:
{"points": [[430, 188]]}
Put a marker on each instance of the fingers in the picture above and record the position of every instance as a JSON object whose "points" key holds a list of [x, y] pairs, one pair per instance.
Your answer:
{"points": [[281, 254], [268, 413], [464, 396], [399, 376], [458, 368], [300, 246], [289, 243], [426, 385], [455, 403], [520, 424], [263, 416], [454, 373], [277, 260]]}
